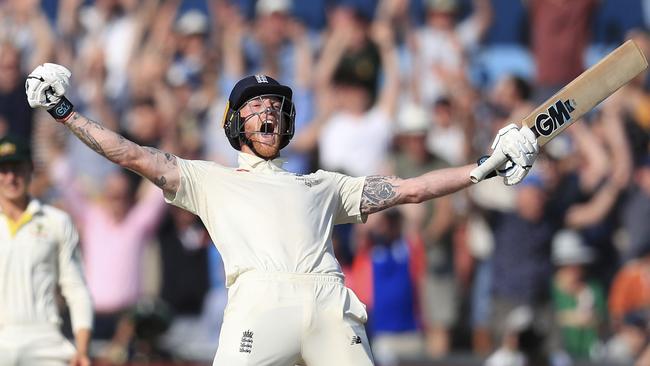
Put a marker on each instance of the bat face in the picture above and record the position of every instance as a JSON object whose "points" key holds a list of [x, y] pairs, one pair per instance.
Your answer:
{"points": [[575, 99], [554, 118], [586, 91]]}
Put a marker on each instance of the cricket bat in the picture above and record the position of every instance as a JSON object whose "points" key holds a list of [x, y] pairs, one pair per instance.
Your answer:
{"points": [[574, 100]]}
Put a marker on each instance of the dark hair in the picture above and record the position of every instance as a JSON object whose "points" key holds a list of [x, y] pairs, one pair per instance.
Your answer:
{"points": [[522, 87]]}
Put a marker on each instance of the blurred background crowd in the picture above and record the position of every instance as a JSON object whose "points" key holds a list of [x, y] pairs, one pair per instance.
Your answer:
{"points": [[554, 271]]}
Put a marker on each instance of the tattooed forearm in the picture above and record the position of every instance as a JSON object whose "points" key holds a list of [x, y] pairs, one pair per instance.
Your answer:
{"points": [[379, 193], [151, 163], [80, 126]]}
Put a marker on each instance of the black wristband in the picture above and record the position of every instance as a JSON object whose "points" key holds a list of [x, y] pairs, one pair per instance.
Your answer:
{"points": [[482, 160], [62, 109]]}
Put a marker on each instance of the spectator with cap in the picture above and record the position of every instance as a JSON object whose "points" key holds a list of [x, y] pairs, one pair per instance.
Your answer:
{"points": [[521, 259], [586, 181], [434, 222], [510, 351], [629, 343], [446, 136], [38, 253], [192, 30], [579, 302], [271, 47]]}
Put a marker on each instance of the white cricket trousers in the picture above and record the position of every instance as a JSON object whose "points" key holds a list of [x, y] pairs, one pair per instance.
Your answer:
{"points": [[286, 319], [34, 345]]}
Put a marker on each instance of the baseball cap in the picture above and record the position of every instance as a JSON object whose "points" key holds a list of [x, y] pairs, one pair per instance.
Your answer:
{"points": [[412, 119], [14, 149], [447, 6], [266, 7], [359, 68], [569, 248], [255, 85], [192, 22], [560, 147], [519, 319]]}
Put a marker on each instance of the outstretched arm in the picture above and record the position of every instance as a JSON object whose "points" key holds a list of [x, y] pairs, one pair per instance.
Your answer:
{"points": [[517, 146], [46, 87], [159, 167], [382, 192]]}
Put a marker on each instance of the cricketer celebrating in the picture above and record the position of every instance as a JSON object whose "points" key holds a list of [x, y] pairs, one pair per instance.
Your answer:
{"points": [[38, 251], [286, 300]]}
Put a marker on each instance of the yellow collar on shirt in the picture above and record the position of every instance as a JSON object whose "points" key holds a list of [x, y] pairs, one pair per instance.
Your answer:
{"points": [[22, 220], [27, 216], [252, 162]]}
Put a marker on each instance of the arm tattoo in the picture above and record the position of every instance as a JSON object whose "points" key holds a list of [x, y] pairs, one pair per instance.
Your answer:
{"points": [[123, 152], [160, 182], [82, 131], [379, 193], [169, 158]]}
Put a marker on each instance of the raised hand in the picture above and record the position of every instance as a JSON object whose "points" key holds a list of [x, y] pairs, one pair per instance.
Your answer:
{"points": [[521, 147], [45, 87]]}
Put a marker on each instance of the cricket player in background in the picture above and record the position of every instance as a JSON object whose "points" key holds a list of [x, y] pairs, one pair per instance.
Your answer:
{"points": [[38, 251], [286, 300]]}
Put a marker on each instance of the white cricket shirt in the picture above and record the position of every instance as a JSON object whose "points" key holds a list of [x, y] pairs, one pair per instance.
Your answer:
{"points": [[264, 218], [35, 256]]}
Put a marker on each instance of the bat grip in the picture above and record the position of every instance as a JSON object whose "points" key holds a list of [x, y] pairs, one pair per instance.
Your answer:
{"points": [[495, 160]]}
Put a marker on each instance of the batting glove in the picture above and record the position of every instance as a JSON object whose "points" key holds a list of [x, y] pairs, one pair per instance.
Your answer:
{"points": [[521, 148], [45, 87]]}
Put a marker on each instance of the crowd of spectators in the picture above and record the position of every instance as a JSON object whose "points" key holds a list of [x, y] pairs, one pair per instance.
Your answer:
{"points": [[553, 271]]}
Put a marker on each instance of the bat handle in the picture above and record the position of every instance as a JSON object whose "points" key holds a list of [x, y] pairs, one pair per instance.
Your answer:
{"points": [[495, 160]]}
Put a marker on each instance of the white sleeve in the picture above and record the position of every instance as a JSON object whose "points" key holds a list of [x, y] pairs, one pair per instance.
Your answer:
{"points": [[469, 33], [190, 194], [71, 279], [349, 191]]}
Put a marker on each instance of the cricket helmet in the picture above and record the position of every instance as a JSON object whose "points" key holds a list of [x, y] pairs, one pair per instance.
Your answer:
{"points": [[251, 87]]}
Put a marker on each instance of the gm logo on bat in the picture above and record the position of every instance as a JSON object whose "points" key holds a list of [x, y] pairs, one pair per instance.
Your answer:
{"points": [[556, 116]]}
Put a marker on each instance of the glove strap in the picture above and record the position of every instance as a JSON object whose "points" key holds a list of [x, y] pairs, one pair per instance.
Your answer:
{"points": [[62, 110], [482, 160]]}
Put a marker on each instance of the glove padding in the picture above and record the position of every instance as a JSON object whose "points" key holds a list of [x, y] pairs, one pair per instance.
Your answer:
{"points": [[521, 148], [46, 85]]}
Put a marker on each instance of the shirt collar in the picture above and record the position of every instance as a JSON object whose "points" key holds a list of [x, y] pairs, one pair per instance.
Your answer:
{"points": [[255, 163], [33, 207]]}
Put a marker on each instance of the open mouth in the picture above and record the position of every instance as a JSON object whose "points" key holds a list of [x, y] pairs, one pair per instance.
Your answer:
{"points": [[267, 128]]}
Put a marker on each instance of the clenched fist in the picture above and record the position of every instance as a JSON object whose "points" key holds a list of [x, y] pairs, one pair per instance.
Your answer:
{"points": [[45, 88], [521, 147]]}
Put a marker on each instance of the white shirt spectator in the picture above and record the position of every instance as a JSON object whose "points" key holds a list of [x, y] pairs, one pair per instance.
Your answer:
{"points": [[438, 50], [355, 145], [447, 143]]}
